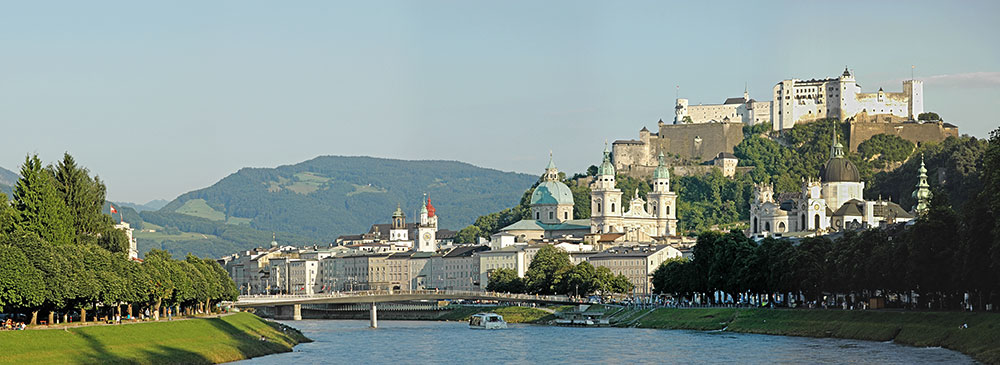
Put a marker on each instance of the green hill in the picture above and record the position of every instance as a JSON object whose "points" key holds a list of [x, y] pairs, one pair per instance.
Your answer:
{"points": [[315, 201]]}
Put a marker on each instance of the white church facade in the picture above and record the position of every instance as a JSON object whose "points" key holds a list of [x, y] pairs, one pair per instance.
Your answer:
{"points": [[835, 202]]}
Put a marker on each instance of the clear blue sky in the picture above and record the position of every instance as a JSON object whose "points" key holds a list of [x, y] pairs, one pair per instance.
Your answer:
{"points": [[166, 97]]}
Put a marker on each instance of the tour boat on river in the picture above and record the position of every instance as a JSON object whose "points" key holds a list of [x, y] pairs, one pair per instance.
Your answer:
{"points": [[487, 321]]}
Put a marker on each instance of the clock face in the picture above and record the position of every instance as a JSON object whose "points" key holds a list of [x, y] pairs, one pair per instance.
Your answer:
{"points": [[427, 235]]}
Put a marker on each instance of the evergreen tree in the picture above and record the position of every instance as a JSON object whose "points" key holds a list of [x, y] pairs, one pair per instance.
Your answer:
{"points": [[83, 196], [40, 209]]}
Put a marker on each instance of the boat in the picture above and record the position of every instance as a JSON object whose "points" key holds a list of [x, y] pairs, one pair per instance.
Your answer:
{"points": [[487, 321]]}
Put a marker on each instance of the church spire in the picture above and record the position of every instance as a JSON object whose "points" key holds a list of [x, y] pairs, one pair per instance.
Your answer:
{"points": [[551, 172], [923, 193], [836, 149], [606, 168]]}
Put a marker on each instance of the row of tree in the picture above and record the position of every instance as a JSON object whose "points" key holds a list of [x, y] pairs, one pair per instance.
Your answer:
{"points": [[60, 254], [551, 272], [947, 258]]}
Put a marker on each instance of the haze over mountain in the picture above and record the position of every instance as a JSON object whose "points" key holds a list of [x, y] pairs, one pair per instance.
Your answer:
{"points": [[7, 180], [148, 206], [315, 201]]}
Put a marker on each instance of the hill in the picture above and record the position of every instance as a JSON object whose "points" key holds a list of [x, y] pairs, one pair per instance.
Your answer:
{"points": [[151, 205], [7, 180], [315, 201]]}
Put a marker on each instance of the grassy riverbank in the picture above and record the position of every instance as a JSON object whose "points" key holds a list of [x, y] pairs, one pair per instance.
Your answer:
{"points": [[512, 314], [981, 339], [192, 341]]}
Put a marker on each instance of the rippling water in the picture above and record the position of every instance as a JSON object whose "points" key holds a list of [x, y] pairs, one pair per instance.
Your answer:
{"points": [[421, 342]]}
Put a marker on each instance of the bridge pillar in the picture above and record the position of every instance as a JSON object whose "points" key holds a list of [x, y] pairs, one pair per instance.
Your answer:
{"points": [[297, 312], [374, 323], [289, 312]]}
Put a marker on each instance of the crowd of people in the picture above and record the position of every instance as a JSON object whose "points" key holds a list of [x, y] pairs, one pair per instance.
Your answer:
{"points": [[9, 325]]}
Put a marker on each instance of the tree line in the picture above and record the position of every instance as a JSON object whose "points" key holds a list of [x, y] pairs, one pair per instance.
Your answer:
{"points": [[551, 272], [60, 254], [945, 259]]}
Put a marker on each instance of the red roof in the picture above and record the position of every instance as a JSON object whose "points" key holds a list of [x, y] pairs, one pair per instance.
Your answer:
{"points": [[430, 208]]}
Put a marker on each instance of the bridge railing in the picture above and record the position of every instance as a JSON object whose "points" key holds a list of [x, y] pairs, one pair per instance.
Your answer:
{"points": [[461, 294]]}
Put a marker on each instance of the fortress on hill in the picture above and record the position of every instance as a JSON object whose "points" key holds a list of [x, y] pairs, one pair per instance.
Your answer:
{"points": [[706, 132]]}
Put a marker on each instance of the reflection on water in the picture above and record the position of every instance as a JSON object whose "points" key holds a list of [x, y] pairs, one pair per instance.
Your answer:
{"points": [[420, 342]]}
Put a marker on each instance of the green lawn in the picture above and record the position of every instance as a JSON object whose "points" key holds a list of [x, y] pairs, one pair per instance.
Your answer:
{"points": [[210, 340], [981, 339], [199, 208]]}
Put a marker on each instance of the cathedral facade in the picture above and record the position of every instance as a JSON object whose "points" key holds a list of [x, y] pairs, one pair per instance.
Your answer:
{"points": [[835, 202]]}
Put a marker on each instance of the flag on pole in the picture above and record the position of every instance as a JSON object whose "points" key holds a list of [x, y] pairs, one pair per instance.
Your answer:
{"points": [[113, 210]]}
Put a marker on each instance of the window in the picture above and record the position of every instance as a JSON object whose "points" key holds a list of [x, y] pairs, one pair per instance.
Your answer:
{"points": [[551, 215], [612, 207], [565, 215], [598, 207], [537, 216]]}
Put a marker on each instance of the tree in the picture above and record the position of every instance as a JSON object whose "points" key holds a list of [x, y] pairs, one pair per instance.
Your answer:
{"points": [[580, 280], [21, 285], [468, 234], [160, 272], [546, 269], [83, 196], [930, 116], [39, 207], [505, 281], [687, 119]]}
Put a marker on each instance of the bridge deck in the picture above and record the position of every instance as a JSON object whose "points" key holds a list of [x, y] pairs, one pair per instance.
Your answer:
{"points": [[381, 296]]}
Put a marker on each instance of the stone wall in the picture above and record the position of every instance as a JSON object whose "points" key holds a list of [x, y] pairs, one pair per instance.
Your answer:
{"points": [[913, 132], [701, 142]]}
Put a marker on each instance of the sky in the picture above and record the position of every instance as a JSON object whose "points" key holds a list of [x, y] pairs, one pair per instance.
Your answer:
{"points": [[160, 98]]}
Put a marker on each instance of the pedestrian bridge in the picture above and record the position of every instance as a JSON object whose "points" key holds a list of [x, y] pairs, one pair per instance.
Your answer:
{"points": [[382, 296], [290, 306]]}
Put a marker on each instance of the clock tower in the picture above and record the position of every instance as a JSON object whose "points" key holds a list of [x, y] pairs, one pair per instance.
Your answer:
{"points": [[427, 229]]}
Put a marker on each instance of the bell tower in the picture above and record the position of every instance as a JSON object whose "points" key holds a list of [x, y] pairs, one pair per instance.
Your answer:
{"points": [[605, 199], [663, 202]]}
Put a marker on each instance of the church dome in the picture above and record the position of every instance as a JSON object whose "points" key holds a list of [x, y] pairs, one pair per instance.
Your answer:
{"points": [[552, 192], [840, 169], [606, 167], [661, 171]]}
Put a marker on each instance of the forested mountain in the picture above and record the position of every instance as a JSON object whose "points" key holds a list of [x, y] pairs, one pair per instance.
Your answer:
{"points": [[7, 181], [315, 201], [151, 205]]}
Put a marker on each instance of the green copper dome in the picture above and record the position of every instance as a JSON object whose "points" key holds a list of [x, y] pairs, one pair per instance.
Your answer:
{"points": [[606, 167], [661, 171], [552, 192]]}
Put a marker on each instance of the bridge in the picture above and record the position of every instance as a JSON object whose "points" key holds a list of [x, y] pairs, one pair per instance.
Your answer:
{"points": [[290, 306]]}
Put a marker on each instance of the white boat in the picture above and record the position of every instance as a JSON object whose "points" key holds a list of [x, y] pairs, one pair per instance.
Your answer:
{"points": [[487, 321]]}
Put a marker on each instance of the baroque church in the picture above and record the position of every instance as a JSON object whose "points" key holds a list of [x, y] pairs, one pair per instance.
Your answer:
{"points": [[833, 203], [642, 221]]}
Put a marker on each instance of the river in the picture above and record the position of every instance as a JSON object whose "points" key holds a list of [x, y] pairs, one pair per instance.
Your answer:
{"points": [[422, 342]]}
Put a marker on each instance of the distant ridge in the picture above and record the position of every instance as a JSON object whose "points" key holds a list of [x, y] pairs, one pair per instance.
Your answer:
{"points": [[315, 201], [7, 181]]}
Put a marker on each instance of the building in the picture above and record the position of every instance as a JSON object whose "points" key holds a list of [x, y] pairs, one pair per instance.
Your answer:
{"points": [[302, 275], [802, 101], [457, 269], [399, 235], [133, 252], [551, 209], [636, 263], [742, 110], [833, 203], [644, 220], [695, 142]]}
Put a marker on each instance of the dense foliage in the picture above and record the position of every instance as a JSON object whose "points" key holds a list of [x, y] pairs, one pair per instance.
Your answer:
{"points": [[551, 272], [59, 253], [885, 148], [942, 257]]}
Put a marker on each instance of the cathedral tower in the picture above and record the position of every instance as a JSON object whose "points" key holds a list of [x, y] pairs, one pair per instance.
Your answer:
{"points": [[605, 199], [398, 231], [427, 229], [552, 201], [662, 201]]}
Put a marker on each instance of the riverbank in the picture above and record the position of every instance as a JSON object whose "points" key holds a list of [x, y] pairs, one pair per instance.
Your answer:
{"points": [[193, 341], [981, 339]]}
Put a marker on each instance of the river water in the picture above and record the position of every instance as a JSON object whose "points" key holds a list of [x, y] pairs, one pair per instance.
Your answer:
{"points": [[423, 342]]}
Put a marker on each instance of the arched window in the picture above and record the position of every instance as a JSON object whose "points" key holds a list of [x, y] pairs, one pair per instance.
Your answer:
{"points": [[566, 215], [667, 211], [612, 207], [538, 215], [803, 221], [755, 227], [767, 226], [598, 207], [781, 227], [816, 221]]}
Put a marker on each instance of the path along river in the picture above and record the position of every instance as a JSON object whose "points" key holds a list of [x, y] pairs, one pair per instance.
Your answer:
{"points": [[422, 342]]}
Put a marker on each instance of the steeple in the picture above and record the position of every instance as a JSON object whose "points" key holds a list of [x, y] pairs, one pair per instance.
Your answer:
{"points": [[606, 168], [923, 193], [551, 172], [836, 149], [661, 171], [746, 92], [274, 240]]}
